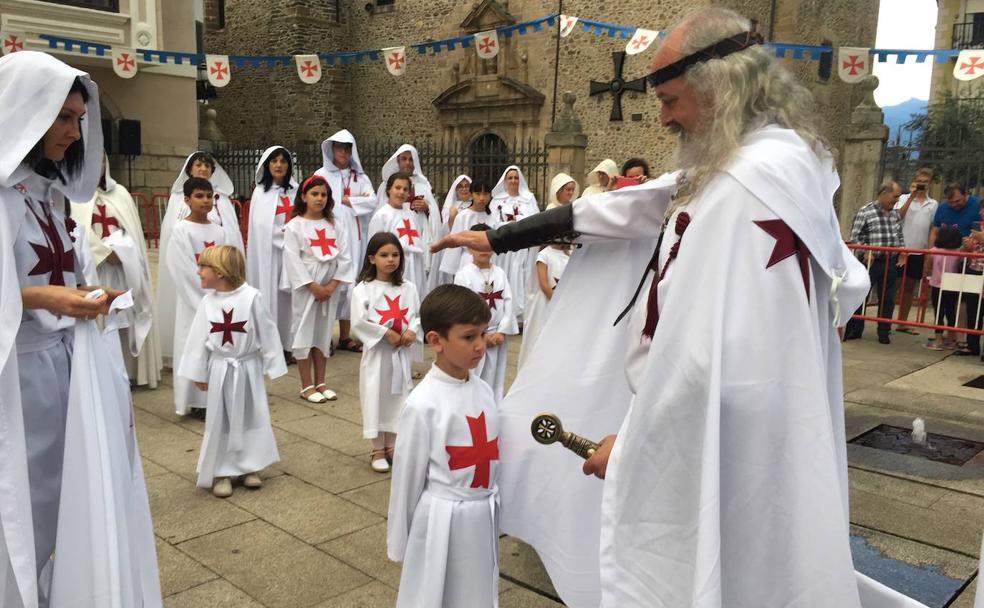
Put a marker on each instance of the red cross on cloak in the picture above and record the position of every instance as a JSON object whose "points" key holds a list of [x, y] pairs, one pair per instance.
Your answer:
{"points": [[125, 62], [487, 44], [104, 219], [976, 63], [226, 327], [284, 207], [511, 217], [207, 245], [13, 44], [407, 231], [322, 241], [394, 313], [479, 454], [787, 245], [52, 256], [854, 63], [309, 68], [219, 70], [490, 297]]}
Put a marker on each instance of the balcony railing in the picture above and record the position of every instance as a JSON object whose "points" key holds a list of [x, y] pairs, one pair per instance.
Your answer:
{"points": [[968, 35]]}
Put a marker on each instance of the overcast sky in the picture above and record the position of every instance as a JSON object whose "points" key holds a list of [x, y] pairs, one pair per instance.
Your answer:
{"points": [[904, 24]]}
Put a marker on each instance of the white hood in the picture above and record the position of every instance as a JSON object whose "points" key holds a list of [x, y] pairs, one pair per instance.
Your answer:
{"points": [[258, 176], [393, 165], [607, 166], [559, 181], [220, 180], [452, 196], [499, 191], [342, 137], [33, 88]]}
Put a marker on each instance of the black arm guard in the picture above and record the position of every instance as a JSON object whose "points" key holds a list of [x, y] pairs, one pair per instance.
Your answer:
{"points": [[555, 226]]}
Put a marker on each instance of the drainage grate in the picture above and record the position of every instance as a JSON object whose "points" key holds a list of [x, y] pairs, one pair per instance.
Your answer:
{"points": [[977, 382], [939, 448]]}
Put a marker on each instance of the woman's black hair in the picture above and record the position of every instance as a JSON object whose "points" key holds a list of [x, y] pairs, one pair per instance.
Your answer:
{"points": [[948, 237], [205, 157], [71, 165], [300, 207], [480, 185], [377, 242], [267, 180], [636, 162]]}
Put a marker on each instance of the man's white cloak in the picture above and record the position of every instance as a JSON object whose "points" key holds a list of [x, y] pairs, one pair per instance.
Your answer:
{"points": [[443, 509], [232, 341], [269, 212], [537, 305]]}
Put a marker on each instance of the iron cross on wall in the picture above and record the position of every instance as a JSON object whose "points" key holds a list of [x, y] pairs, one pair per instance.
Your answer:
{"points": [[617, 86]]}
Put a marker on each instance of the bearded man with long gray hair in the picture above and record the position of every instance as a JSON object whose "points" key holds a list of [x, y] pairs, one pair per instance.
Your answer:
{"points": [[726, 484]]}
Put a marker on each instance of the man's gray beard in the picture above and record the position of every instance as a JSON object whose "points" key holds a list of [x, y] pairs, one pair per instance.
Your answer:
{"points": [[691, 149]]}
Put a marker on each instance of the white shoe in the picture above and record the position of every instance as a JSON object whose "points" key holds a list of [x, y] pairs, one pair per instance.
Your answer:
{"points": [[378, 461], [326, 392], [314, 397], [222, 487], [252, 481]]}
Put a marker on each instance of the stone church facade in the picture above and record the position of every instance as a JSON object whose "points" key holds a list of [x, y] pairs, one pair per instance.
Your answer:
{"points": [[455, 96]]}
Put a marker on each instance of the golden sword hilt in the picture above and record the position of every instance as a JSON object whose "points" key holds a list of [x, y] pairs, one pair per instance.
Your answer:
{"points": [[546, 429]]}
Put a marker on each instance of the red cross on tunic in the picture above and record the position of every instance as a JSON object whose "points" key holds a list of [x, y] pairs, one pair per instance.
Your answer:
{"points": [[207, 245], [394, 313], [976, 63], [787, 245], [490, 297], [854, 63], [226, 327], [104, 219], [479, 454], [323, 241], [53, 258], [487, 44], [511, 217], [284, 207], [407, 231]]}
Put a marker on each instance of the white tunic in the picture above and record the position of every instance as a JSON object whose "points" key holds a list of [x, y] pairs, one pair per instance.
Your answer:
{"points": [[314, 252], [443, 510], [384, 374], [517, 264], [492, 285], [232, 342], [405, 225], [188, 241], [458, 258], [537, 305]]}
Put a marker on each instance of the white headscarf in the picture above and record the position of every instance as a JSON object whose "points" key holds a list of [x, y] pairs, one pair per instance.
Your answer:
{"points": [[342, 137], [258, 176], [559, 181], [393, 164], [108, 179], [500, 191], [607, 166], [33, 88], [220, 180], [451, 199]]}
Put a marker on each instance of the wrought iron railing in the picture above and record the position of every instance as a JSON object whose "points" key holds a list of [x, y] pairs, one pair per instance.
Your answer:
{"points": [[968, 35]]}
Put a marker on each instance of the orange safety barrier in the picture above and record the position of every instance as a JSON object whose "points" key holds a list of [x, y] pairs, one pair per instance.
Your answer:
{"points": [[963, 280]]}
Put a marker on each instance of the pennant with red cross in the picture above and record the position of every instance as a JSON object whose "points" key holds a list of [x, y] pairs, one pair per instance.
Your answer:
{"points": [[970, 64], [13, 41], [124, 62], [395, 59], [308, 68], [487, 44], [567, 23], [640, 41], [853, 63], [218, 70]]}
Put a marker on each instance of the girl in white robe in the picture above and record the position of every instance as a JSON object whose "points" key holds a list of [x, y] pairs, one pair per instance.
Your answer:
{"points": [[74, 520], [398, 219], [385, 318], [190, 237], [490, 282], [458, 197], [223, 214], [600, 176], [232, 341], [477, 212], [119, 252], [316, 264], [270, 207], [512, 200]]}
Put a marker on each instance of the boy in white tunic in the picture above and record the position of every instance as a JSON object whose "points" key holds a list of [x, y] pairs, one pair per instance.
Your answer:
{"points": [[232, 342], [190, 237], [490, 282], [443, 511]]}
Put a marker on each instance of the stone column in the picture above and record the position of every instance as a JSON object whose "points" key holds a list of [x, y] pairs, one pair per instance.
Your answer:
{"points": [[209, 133], [566, 142], [861, 161]]}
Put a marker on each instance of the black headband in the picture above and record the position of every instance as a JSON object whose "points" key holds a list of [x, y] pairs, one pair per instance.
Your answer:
{"points": [[721, 48]]}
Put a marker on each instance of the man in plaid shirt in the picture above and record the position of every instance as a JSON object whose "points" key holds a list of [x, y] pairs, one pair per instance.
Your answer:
{"points": [[878, 223]]}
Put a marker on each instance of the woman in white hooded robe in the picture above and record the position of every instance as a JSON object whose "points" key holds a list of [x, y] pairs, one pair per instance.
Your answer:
{"points": [[512, 200]]}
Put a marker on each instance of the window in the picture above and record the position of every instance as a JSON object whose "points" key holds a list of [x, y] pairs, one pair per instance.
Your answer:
{"points": [[100, 5]]}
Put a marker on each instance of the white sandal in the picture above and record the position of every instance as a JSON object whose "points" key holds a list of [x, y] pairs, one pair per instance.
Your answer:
{"points": [[326, 392], [314, 397]]}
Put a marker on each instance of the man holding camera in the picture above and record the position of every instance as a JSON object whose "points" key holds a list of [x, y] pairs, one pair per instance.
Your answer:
{"points": [[917, 210]]}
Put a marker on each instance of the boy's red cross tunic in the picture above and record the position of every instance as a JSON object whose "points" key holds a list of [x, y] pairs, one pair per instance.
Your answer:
{"points": [[407, 231], [490, 297], [226, 327], [394, 313], [479, 454], [104, 219], [322, 241]]}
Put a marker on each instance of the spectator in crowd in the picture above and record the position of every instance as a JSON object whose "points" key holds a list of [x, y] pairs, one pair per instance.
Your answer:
{"points": [[878, 224], [972, 299], [917, 211], [944, 301], [960, 210], [637, 168]]}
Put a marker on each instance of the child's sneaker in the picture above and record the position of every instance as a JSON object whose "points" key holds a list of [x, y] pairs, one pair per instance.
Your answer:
{"points": [[377, 460], [222, 487], [252, 481]]}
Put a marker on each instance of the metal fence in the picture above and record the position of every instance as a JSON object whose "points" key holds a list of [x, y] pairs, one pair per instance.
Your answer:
{"points": [[486, 158]]}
